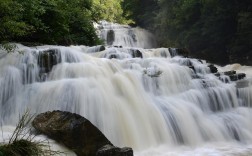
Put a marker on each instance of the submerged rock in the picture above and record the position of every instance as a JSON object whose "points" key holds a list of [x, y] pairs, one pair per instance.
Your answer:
{"points": [[109, 150], [242, 83], [97, 48], [76, 133], [111, 56]]}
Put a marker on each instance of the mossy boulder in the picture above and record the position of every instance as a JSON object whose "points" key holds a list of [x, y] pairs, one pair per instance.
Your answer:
{"points": [[74, 131]]}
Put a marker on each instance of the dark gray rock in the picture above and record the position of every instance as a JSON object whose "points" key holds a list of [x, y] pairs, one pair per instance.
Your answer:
{"points": [[47, 59], [238, 76], [179, 51], [116, 46], [212, 68], [72, 130], [192, 67], [232, 75], [231, 72], [110, 37], [115, 56], [136, 53], [109, 150]]}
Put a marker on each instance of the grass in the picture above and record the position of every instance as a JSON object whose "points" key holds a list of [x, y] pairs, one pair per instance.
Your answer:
{"points": [[22, 142]]}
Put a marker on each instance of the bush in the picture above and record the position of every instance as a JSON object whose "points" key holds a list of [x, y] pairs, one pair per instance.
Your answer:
{"points": [[22, 143]]}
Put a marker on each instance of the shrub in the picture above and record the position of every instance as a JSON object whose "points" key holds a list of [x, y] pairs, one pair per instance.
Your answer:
{"points": [[22, 142]]}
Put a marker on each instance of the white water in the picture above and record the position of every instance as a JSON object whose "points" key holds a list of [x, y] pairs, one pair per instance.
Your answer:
{"points": [[152, 104], [125, 35]]}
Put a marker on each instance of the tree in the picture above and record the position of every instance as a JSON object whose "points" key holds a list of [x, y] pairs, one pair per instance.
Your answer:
{"points": [[47, 21], [142, 12], [208, 28], [11, 23], [109, 10]]}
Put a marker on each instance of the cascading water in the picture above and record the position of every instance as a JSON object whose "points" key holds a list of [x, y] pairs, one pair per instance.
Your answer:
{"points": [[124, 35], [142, 98]]}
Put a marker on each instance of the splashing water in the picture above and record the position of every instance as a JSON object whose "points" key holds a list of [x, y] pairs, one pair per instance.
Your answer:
{"points": [[142, 98]]}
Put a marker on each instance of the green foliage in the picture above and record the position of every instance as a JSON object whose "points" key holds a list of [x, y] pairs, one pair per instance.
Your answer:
{"points": [[47, 21], [11, 24], [241, 45], [142, 12], [210, 29], [109, 10], [22, 143], [8, 47]]}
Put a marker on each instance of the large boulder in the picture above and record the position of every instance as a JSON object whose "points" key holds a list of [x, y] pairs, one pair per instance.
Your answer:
{"points": [[74, 131]]}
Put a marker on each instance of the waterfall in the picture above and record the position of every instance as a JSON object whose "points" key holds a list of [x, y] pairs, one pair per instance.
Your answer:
{"points": [[123, 35], [148, 99]]}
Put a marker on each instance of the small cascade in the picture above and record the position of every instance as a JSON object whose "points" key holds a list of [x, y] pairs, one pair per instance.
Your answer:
{"points": [[150, 99], [124, 35]]}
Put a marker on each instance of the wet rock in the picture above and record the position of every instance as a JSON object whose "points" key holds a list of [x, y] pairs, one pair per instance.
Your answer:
{"points": [[238, 76], [232, 72], [173, 52], [179, 51], [110, 37], [227, 73], [232, 75], [111, 56], [217, 74], [192, 67], [136, 53], [152, 72], [72, 130], [109, 150], [199, 60], [212, 68], [47, 59], [132, 35], [96, 49], [118, 46]]}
